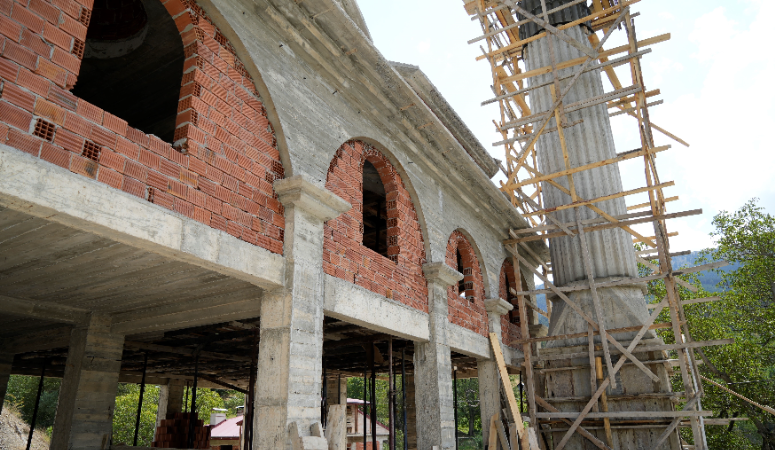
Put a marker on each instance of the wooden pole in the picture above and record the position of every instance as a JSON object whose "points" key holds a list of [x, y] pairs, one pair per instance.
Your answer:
{"points": [[140, 400], [37, 404]]}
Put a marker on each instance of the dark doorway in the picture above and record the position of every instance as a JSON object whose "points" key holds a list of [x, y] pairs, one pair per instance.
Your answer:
{"points": [[133, 64], [374, 210]]}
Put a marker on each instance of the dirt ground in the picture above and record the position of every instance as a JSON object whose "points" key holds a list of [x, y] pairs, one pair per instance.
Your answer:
{"points": [[14, 432]]}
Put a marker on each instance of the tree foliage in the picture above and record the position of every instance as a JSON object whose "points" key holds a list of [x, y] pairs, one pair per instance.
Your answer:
{"points": [[745, 239], [22, 392]]}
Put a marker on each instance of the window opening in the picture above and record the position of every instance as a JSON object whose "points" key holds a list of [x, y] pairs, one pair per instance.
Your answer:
{"points": [[133, 64], [461, 285], [374, 210]]}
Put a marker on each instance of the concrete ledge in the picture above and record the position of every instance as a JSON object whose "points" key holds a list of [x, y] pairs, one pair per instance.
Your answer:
{"points": [[354, 304], [41, 189], [465, 341]]}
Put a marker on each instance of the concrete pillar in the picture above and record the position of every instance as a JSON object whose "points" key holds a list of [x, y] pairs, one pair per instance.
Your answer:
{"points": [[489, 378], [590, 140], [433, 366], [87, 397], [170, 400], [290, 365], [336, 387], [6, 362]]}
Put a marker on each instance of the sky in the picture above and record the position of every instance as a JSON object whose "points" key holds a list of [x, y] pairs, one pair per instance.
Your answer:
{"points": [[715, 77]]}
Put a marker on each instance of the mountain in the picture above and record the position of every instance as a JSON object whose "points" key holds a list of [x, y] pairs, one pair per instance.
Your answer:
{"points": [[709, 280]]}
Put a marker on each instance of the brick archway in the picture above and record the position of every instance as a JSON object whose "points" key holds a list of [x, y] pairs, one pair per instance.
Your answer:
{"points": [[466, 310], [399, 275], [510, 323], [225, 158]]}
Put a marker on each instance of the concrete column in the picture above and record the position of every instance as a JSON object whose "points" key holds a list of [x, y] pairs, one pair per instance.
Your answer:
{"points": [[433, 366], [290, 365], [6, 362], [489, 378], [336, 387], [170, 400], [87, 396]]}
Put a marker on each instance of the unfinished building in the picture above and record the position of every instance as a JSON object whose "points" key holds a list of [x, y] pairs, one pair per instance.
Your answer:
{"points": [[240, 194]]}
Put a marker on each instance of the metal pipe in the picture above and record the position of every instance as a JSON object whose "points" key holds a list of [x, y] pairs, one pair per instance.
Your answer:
{"points": [[140, 400], [403, 388], [392, 398], [37, 404], [454, 401], [521, 404], [364, 410], [192, 417], [250, 407], [373, 400]]}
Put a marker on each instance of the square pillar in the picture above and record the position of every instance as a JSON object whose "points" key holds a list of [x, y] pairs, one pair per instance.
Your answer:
{"points": [[290, 358], [489, 378], [433, 366], [87, 397], [170, 400], [336, 390], [6, 362]]}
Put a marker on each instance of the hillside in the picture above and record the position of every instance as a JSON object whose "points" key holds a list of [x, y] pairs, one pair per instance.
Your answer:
{"points": [[14, 432]]}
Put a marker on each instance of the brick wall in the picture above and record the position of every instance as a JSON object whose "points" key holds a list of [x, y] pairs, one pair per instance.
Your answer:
{"points": [[399, 276], [509, 322], [467, 311], [225, 158]]}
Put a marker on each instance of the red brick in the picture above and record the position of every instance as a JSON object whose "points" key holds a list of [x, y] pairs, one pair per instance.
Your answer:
{"points": [[69, 141], [90, 111], [48, 12], [184, 207], [157, 180], [214, 205], [57, 37], [61, 97], [18, 96], [202, 215], [24, 142], [67, 60], [21, 55], [128, 148], [137, 136], [136, 170], [113, 123], [103, 136], [110, 177], [174, 7], [234, 229], [51, 71], [15, 117], [134, 187], [68, 7], [149, 159], [27, 18], [55, 155], [112, 159], [73, 27], [35, 43], [218, 222], [49, 110], [161, 198], [9, 70], [10, 28], [169, 168]]}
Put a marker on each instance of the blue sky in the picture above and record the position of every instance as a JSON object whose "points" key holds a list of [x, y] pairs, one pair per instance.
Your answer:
{"points": [[715, 75]]}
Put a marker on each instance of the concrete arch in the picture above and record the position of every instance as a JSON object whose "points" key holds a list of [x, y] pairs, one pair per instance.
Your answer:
{"points": [[488, 288], [250, 65], [467, 310]]}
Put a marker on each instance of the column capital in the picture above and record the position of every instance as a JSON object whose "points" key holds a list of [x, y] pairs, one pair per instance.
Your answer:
{"points": [[300, 192], [439, 272], [497, 306]]}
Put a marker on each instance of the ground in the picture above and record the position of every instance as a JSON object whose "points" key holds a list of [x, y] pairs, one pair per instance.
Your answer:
{"points": [[14, 432]]}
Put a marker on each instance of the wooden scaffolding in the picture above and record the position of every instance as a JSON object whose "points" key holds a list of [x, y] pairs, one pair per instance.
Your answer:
{"points": [[520, 129]]}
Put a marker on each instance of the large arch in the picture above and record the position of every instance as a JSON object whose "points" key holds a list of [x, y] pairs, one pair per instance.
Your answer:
{"points": [[225, 155], [466, 301], [397, 275]]}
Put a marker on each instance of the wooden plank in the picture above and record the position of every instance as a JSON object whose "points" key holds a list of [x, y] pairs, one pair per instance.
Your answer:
{"points": [[493, 441], [512, 402], [624, 414], [597, 442], [644, 349], [502, 435], [603, 198]]}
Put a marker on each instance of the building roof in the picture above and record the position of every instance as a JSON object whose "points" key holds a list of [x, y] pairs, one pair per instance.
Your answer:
{"points": [[228, 429]]}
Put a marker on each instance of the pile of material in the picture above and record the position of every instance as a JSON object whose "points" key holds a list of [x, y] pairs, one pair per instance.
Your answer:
{"points": [[173, 432]]}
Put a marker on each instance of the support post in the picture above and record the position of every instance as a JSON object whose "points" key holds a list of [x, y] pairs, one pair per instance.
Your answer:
{"points": [[170, 400], [6, 363], [433, 365], [290, 358], [87, 397], [489, 379]]}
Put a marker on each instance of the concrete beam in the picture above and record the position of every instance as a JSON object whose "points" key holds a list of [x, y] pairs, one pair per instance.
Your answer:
{"points": [[41, 189], [354, 304], [42, 310], [38, 340]]}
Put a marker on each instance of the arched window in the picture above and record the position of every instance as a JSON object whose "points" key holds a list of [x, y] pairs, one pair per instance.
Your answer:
{"points": [[461, 285], [375, 234], [133, 64]]}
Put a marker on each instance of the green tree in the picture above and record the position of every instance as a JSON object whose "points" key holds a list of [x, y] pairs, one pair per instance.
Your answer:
{"points": [[22, 392], [744, 313], [125, 415]]}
